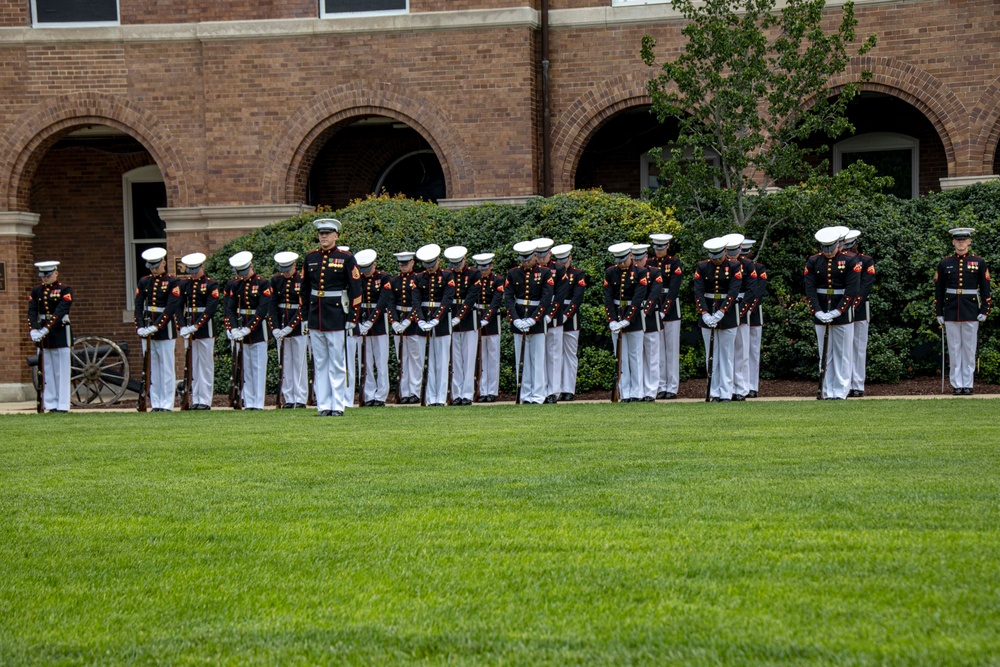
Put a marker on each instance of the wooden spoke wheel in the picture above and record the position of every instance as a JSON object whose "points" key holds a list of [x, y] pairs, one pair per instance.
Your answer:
{"points": [[98, 371]]}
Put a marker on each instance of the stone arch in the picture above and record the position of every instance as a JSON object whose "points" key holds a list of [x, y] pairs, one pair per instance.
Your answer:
{"points": [[986, 114], [296, 144], [584, 116], [918, 88], [27, 141]]}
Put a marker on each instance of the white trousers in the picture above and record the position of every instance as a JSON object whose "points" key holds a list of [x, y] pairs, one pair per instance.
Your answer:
{"points": [[533, 380], [437, 370], [202, 370], [630, 382], [489, 382], [962, 340], [254, 374], [162, 380], [463, 364], [840, 350], [860, 355], [755, 336], [376, 368], [412, 361], [295, 384], [329, 369], [351, 385], [553, 360], [56, 366], [723, 363], [741, 361], [570, 361], [651, 353], [670, 357]]}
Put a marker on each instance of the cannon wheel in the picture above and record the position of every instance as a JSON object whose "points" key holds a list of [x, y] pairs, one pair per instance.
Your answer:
{"points": [[98, 371]]}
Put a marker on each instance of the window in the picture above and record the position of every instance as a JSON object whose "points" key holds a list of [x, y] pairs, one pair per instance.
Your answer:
{"points": [[143, 192], [339, 8], [649, 173], [73, 13], [896, 155]]}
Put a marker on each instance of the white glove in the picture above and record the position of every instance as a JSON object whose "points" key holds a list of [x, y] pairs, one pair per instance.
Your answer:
{"points": [[397, 328], [624, 323], [187, 331], [663, 315], [276, 333], [246, 331], [824, 317], [434, 322], [522, 325], [229, 333], [834, 314], [45, 330], [455, 321], [405, 324], [286, 331], [981, 318], [531, 321], [709, 320], [366, 327], [36, 335], [548, 319], [424, 326], [616, 326], [146, 332], [482, 324], [236, 334], [940, 320]]}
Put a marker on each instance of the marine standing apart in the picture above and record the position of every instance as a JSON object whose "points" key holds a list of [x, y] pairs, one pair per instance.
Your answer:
{"points": [[569, 313], [289, 330], [670, 313], [961, 301], [832, 281], [488, 308], [373, 327], [862, 315], [651, 324], [331, 282], [433, 314], [49, 330], [157, 302], [464, 324], [408, 341], [625, 289], [717, 284], [528, 294], [200, 299]]}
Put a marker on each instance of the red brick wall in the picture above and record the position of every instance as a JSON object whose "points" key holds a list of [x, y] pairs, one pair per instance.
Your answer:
{"points": [[16, 254]]}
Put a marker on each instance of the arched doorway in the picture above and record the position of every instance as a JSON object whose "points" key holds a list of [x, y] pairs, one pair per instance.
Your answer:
{"points": [[373, 154]]}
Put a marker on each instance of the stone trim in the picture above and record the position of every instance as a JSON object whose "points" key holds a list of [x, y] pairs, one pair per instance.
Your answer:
{"points": [[963, 181], [18, 223], [17, 392], [458, 204], [211, 218]]}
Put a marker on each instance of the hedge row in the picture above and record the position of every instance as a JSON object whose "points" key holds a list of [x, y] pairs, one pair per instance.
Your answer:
{"points": [[906, 238]]}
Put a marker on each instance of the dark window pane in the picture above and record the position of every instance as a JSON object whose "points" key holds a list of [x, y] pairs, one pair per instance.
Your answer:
{"points": [[418, 177], [76, 11], [896, 163], [344, 6], [146, 198]]}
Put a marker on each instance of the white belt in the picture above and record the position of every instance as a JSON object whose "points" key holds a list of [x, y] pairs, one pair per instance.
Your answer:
{"points": [[479, 306], [324, 293], [619, 302], [368, 305], [155, 309], [246, 311], [404, 309], [526, 302], [741, 295], [962, 291], [289, 306], [430, 304], [197, 309], [830, 291], [716, 296], [567, 302]]}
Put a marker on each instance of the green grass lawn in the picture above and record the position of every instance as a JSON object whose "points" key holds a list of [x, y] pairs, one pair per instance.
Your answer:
{"points": [[757, 533]]}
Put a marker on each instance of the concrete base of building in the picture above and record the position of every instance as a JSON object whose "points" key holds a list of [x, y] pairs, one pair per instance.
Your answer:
{"points": [[16, 392]]}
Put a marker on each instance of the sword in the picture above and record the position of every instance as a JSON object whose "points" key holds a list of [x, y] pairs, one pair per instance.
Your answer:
{"points": [[709, 363], [823, 361]]}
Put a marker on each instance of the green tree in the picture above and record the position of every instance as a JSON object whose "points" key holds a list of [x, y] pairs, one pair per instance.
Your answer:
{"points": [[748, 87]]}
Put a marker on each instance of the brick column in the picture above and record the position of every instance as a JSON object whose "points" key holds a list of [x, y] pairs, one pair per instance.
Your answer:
{"points": [[17, 257]]}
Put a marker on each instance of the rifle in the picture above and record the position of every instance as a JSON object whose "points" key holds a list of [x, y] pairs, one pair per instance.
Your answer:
{"points": [[188, 354], [399, 358], [942, 358], [451, 357], [520, 368], [278, 398], [311, 400], [615, 390], [479, 363], [822, 362], [142, 404], [236, 375], [39, 405], [709, 363], [427, 360], [363, 371]]}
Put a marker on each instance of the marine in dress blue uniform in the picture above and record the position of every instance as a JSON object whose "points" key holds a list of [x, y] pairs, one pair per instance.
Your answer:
{"points": [[200, 297], [569, 314], [157, 304], [433, 314], [489, 309], [528, 292], [717, 284], [862, 315], [625, 289], [464, 325], [373, 328], [408, 338], [49, 329], [670, 313], [289, 330], [248, 308]]}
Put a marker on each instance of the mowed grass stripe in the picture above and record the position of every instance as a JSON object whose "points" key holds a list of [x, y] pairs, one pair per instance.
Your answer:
{"points": [[849, 533]]}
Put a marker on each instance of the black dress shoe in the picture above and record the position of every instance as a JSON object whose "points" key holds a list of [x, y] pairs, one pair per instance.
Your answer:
{"points": [[379, 404], [819, 396], [751, 394], [252, 409], [493, 398], [325, 413], [968, 391], [739, 397], [660, 395], [670, 396], [551, 398], [648, 399], [569, 397], [336, 413], [369, 404], [287, 406], [59, 412], [957, 392]]}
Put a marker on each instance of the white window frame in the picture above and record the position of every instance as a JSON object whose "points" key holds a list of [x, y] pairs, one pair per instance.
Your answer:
{"points": [[872, 142], [77, 24], [645, 160], [148, 174], [343, 15]]}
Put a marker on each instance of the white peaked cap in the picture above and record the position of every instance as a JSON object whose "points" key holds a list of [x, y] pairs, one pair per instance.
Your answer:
{"points": [[403, 257], [733, 241], [524, 249], [620, 250], [455, 253], [365, 257], [154, 255], [483, 258], [46, 267], [562, 251], [241, 260], [715, 245], [284, 258], [429, 252], [543, 245], [828, 235], [660, 239]]}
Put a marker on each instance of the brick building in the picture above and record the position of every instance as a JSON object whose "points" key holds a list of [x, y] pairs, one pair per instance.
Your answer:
{"points": [[126, 122]]}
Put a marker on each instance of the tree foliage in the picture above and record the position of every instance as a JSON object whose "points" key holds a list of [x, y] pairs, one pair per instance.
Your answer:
{"points": [[748, 87]]}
